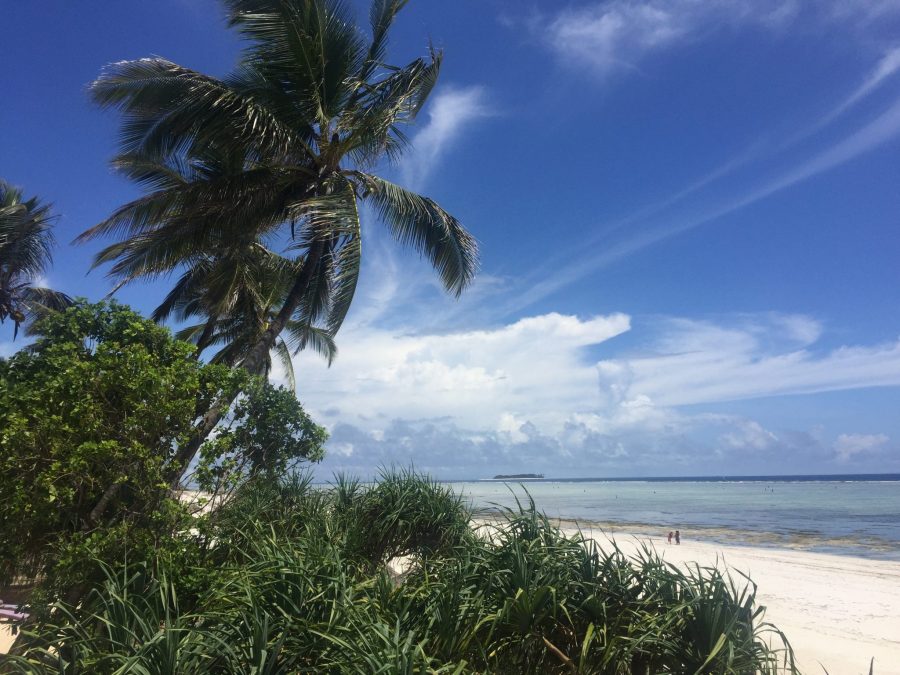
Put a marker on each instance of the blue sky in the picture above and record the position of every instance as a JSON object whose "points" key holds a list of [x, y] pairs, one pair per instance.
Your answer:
{"points": [[687, 213]]}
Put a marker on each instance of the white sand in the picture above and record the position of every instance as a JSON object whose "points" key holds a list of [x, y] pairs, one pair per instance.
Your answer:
{"points": [[837, 611]]}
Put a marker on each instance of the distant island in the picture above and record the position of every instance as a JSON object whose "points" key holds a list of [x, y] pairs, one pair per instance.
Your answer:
{"points": [[513, 476]]}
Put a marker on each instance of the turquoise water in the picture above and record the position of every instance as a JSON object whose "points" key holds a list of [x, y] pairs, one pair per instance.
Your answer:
{"points": [[842, 516]]}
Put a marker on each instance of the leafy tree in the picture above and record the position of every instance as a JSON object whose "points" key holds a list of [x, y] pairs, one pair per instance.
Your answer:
{"points": [[265, 435], [26, 242], [279, 150], [103, 398]]}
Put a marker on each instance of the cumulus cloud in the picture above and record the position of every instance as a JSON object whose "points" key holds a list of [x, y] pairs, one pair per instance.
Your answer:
{"points": [[848, 446], [529, 393], [534, 367], [748, 434], [449, 112]]}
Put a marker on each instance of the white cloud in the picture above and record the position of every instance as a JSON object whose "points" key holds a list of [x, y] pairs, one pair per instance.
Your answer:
{"points": [[700, 362], [533, 368], [527, 393], [449, 112], [617, 35], [848, 446], [748, 434]]}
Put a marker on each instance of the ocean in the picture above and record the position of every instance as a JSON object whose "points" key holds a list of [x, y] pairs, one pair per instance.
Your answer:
{"points": [[849, 515]]}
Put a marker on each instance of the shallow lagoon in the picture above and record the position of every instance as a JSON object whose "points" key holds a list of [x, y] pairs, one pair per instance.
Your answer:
{"points": [[850, 516]]}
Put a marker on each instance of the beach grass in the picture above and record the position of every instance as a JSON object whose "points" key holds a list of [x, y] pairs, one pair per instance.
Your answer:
{"points": [[394, 577]]}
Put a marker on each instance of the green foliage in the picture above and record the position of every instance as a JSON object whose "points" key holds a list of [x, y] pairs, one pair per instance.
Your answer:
{"points": [[96, 409], [277, 151], [26, 243], [102, 397], [403, 514], [293, 587], [267, 432]]}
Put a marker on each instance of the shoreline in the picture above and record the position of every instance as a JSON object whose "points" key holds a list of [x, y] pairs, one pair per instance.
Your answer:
{"points": [[838, 611], [866, 548]]}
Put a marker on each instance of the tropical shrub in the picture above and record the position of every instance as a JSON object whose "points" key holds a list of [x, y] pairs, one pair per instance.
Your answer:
{"points": [[290, 589], [91, 416]]}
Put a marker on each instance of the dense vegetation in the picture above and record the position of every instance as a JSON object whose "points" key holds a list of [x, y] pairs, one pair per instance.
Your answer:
{"points": [[251, 191], [91, 415], [287, 578]]}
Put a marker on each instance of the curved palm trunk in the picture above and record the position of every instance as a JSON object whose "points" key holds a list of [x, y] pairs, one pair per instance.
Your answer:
{"points": [[254, 363]]}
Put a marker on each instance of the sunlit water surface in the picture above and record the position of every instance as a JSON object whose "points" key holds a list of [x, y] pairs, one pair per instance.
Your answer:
{"points": [[848, 516]]}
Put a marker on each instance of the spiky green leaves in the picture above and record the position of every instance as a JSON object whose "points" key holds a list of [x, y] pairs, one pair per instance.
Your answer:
{"points": [[26, 243], [419, 222], [272, 155]]}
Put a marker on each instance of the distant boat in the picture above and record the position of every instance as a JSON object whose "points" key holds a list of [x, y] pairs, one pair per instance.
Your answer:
{"points": [[518, 476]]}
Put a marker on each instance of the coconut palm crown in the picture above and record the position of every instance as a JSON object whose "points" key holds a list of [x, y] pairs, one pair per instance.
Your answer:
{"points": [[280, 151], [26, 244]]}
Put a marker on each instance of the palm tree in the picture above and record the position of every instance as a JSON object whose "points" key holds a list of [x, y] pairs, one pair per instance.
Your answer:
{"points": [[26, 242], [234, 279], [280, 150], [235, 295]]}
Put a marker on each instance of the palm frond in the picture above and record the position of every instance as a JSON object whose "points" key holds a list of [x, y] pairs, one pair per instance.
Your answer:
{"points": [[168, 108], [320, 340], [284, 355], [26, 245], [312, 47], [419, 222]]}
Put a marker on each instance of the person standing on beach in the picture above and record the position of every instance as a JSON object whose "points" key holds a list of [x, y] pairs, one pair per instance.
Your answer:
{"points": [[670, 536], [677, 537]]}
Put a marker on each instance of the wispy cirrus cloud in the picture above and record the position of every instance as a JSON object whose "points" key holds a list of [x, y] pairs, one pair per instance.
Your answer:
{"points": [[618, 35], [449, 112], [654, 228], [694, 362], [883, 70]]}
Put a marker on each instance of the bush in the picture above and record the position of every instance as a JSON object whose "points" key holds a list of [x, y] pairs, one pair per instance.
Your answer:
{"points": [[294, 587], [92, 414]]}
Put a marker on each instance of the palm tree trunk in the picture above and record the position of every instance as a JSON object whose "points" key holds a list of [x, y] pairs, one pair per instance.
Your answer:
{"points": [[254, 362], [256, 359]]}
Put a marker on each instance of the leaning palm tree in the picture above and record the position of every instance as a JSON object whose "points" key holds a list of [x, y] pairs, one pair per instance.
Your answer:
{"points": [[282, 150], [236, 296], [232, 281], [26, 242]]}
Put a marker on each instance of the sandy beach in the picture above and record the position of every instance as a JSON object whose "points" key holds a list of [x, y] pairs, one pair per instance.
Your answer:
{"points": [[838, 611]]}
